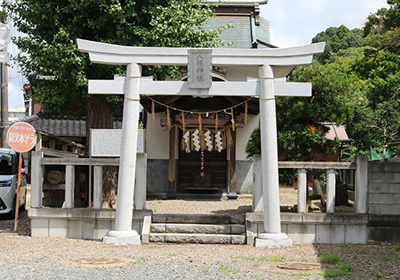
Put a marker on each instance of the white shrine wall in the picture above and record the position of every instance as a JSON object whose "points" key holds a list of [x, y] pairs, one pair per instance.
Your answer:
{"points": [[157, 138]]}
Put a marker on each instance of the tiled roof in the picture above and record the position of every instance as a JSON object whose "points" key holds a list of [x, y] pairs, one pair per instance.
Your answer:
{"points": [[61, 126]]}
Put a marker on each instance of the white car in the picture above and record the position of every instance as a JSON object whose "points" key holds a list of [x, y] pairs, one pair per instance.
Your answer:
{"points": [[9, 182]]}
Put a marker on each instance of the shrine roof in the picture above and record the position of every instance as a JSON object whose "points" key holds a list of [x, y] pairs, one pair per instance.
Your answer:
{"points": [[61, 126]]}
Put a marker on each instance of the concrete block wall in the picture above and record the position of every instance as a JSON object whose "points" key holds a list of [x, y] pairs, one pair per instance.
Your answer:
{"points": [[315, 227], [79, 223], [384, 188], [384, 200]]}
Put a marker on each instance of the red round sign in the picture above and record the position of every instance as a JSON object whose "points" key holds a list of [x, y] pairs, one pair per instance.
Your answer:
{"points": [[21, 137]]}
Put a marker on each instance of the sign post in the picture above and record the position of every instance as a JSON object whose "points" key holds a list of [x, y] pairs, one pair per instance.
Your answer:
{"points": [[21, 137]]}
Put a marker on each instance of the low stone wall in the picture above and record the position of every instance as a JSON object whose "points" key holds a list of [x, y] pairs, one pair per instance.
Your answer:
{"points": [[384, 200], [78, 223], [315, 227]]}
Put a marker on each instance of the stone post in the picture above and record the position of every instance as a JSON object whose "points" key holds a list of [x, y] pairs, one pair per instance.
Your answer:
{"points": [[123, 233], [258, 205], [97, 186], [302, 191], [37, 180], [141, 182], [269, 157], [361, 187], [330, 190], [69, 186]]}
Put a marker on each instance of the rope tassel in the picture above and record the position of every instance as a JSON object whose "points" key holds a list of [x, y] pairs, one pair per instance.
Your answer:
{"points": [[168, 118], [153, 110], [233, 120]]}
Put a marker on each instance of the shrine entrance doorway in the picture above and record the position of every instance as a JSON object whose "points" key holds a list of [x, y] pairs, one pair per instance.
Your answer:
{"points": [[189, 170]]}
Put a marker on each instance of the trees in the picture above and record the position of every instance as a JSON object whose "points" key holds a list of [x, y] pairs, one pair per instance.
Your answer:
{"points": [[52, 28], [341, 41], [379, 68]]}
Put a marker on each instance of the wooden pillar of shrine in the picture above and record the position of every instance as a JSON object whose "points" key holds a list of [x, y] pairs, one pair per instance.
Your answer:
{"points": [[172, 164], [232, 168]]}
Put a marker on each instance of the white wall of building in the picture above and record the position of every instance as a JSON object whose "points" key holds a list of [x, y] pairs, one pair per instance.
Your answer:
{"points": [[243, 134], [157, 138]]}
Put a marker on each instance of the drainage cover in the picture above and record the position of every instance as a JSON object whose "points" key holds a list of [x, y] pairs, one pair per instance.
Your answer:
{"points": [[301, 266], [97, 261]]}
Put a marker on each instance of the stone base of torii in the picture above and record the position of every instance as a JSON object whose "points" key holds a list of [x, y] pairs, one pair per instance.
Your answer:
{"points": [[272, 64]]}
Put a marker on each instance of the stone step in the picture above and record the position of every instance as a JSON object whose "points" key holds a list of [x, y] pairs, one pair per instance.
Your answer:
{"points": [[197, 219], [198, 228], [198, 238]]}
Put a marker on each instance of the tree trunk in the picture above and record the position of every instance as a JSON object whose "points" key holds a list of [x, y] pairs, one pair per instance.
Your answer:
{"points": [[100, 115]]}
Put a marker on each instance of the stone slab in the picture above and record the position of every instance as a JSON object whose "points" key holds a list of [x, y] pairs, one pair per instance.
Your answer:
{"points": [[158, 228], [301, 233], [392, 198], [356, 234], [88, 229], [238, 239], [58, 228], [330, 234], [387, 188], [197, 238], [75, 229], [133, 240], [39, 227], [101, 229], [155, 237], [195, 228]]}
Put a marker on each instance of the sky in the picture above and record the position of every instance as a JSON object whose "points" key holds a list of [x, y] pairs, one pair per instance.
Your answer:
{"points": [[292, 23], [296, 22]]}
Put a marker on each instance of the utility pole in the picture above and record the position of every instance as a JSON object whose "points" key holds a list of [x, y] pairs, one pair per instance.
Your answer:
{"points": [[4, 104], [5, 36]]}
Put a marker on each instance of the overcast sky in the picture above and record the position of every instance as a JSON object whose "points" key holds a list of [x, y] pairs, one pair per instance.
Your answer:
{"points": [[296, 22], [292, 23]]}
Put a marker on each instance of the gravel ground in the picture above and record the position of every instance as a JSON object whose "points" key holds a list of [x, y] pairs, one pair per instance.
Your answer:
{"points": [[25, 257]]}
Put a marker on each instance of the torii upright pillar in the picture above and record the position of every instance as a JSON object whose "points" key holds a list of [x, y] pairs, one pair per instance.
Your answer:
{"points": [[123, 233], [269, 158]]}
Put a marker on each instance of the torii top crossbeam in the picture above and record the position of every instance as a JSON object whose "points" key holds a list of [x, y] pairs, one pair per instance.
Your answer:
{"points": [[271, 63]]}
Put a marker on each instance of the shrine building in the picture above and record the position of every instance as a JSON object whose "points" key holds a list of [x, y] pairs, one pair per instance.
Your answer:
{"points": [[176, 166]]}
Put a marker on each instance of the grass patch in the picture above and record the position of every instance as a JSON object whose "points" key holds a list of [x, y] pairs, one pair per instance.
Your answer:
{"points": [[345, 266], [227, 270], [140, 261], [342, 244], [205, 269], [300, 274], [363, 251], [276, 258], [332, 273], [387, 257], [396, 247], [330, 258], [381, 274]]}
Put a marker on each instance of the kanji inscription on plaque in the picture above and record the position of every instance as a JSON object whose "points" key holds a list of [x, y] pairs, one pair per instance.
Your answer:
{"points": [[199, 68]]}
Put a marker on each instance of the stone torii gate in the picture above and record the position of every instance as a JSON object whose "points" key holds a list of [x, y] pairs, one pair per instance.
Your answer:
{"points": [[271, 63]]}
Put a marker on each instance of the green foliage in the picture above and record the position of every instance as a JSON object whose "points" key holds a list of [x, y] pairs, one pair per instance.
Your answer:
{"points": [[333, 273], [52, 28], [276, 258], [339, 39], [253, 145], [330, 258], [381, 274], [388, 257]]}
